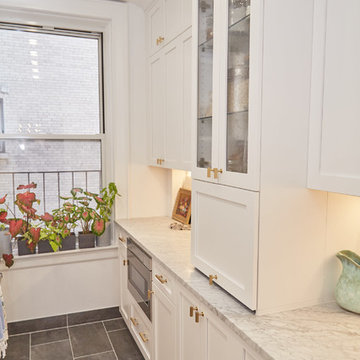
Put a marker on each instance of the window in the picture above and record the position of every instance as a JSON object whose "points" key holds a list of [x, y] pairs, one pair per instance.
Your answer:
{"points": [[51, 115]]}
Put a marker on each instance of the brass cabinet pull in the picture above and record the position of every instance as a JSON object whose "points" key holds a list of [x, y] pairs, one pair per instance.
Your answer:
{"points": [[125, 262], [159, 161], [161, 279], [212, 278], [150, 292], [122, 239], [192, 309], [159, 40], [216, 172], [143, 337], [134, 321], [197, 316]]}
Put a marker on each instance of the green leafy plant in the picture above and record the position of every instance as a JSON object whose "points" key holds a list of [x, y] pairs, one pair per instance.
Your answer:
{"points": [[91, 211]]}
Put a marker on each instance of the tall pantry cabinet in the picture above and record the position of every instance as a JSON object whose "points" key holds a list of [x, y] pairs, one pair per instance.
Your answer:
{"points": [[227, 48], [250, 114]]}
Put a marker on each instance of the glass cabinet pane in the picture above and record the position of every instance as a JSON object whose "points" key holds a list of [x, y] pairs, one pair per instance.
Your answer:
{"points": [[205, 70], [238, 86]]}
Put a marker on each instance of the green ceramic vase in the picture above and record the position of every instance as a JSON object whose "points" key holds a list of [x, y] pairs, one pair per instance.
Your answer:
{"points": [[347, 292]]}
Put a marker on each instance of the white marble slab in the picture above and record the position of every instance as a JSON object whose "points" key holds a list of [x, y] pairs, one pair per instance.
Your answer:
{"points": [[324, 332]]}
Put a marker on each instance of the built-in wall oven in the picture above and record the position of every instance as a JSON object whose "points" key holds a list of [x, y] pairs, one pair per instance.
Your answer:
{"points": [[139, 276]]}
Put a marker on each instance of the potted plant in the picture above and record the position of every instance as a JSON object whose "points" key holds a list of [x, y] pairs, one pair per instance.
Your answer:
{"points": [[50, 238], [104, 206], [85, 216], [26, 230], [63, 224], [5, 238]]}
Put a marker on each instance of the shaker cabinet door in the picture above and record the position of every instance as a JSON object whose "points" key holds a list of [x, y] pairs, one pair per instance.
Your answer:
{"points": [[156, 109], [164, 326], [334, 146], [155, 27], [225, 237]]}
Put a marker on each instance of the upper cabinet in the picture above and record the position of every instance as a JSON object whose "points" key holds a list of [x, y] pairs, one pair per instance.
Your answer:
{"points": [[170, 82], [334, 146], [227, 45], [166, 19]]}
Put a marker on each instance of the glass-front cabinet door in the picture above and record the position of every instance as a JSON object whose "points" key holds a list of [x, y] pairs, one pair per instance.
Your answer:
{"points": [[229, 92], [204, 111]]}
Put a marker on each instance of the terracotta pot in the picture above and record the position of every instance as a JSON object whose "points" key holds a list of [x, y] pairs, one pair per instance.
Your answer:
{"points": [[86, 240]]}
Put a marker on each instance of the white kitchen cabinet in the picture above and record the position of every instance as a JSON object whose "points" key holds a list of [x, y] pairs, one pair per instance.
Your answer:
{"points": [[227, 107], [124, 293], [155, 26], [192, 335], [166, 20], [334, 147], [169, 104], [164, 326], [203, 336], [225, 228]]}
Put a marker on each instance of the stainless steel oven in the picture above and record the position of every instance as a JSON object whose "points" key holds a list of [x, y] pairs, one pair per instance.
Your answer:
{"points": [[139, 276]]}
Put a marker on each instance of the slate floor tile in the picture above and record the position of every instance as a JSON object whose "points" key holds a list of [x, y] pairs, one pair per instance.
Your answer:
{"points": [[94, 315], [103, 356], [18, 347], [117, 324], [48, 336], [59, 350], [89, 339], [26, 326], [124, 345]]}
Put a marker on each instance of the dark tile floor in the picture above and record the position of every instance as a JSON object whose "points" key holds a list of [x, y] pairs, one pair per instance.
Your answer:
{"points": [[91, 335]]}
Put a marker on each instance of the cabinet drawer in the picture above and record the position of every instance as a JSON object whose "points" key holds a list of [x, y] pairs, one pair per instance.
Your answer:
{"points": [[164, 281], [141, 331]]}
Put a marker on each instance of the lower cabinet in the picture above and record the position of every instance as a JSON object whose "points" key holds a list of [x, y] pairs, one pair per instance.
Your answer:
{"points": [[192, 329], [182, 328], [124, 295], [164, 326], [202, 336]]}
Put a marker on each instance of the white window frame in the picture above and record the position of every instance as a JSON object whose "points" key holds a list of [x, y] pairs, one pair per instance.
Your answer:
{"points": [[43, 29]]}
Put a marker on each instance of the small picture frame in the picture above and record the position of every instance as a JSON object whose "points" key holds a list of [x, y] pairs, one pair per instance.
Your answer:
{"points": [[182, 207]]}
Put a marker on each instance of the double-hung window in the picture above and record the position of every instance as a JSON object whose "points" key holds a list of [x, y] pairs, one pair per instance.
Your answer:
{"points": [[51, 121]]}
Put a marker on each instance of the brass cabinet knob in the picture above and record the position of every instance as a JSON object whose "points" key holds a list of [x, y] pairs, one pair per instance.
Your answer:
{"points": [[159, 40], [161, 279], [192, 309], [143, 337], [212, 278], [197, 316], [159, 161], [149, 293], [122, 239], [134, 321], [125, 262]]}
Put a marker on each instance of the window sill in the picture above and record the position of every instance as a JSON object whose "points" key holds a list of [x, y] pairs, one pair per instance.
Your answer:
{"points": [[62, 257]]}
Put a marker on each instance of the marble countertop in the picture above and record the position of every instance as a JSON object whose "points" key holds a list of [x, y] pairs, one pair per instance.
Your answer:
{"points": [[323, 332]]}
